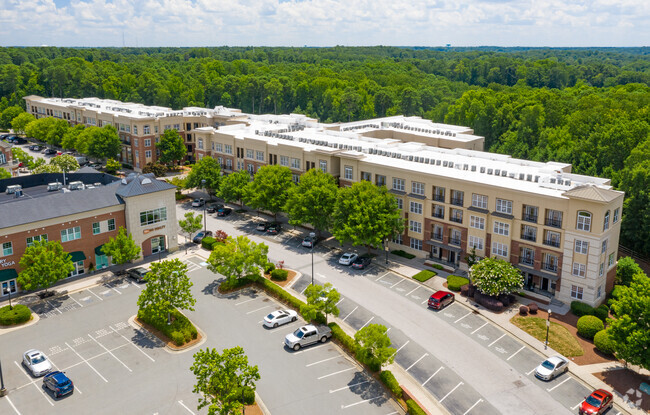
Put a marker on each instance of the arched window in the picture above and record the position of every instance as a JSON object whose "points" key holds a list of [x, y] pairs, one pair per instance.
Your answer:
{"points": [[606, 223], [584, 221]]}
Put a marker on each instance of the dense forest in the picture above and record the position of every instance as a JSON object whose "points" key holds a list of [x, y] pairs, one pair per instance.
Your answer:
{"points": [[589, 107]]}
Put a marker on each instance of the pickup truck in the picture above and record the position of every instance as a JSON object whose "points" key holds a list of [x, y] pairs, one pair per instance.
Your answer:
{"points": [[307, 335]]}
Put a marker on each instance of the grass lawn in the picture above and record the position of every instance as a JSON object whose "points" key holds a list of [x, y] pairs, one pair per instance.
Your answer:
{"points": [[559, 337], [424, 275]]}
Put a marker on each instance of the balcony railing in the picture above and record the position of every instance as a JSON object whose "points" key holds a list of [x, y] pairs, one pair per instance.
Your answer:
{"points": [[527, 261], [456, 219], [439, 198], [552, 242], [529, 237], [549, 266], [456, 201], [436, 236], [530, 218], [439, 215], [556, 223], [454, 241]]}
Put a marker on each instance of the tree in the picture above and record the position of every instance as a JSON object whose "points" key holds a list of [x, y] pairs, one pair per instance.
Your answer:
{"points": [[50, 130], [626, 269], [190, 225], [4, 174], [46, 168], [207, 169], [105, 143], [21, 155], [168, 288], [493, 276], [350, 100], [238, 257], [112, 166], [320, 299], [122, 248], [312, 200], [366, 214], [8, 116], [69, 140], [472, 258], [159, 170], [65, 162], [19, 123], [233, 186], [171, 147], [221, 379], [43, 264], [269, 189], [373, 346], [630, 330]]}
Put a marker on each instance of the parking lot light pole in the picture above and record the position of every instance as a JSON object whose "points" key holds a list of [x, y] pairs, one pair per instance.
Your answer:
{"points": [[7, 290], [312, 235], [386, 249], [3, 390], [205, 218], [548, 326]]}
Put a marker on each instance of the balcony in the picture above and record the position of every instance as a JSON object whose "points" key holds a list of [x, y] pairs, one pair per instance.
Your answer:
{"points": [[436, 236], [552, 242], [439, 215], [456, 201], [549, 266], [439, 198], [456, 219], [530, 218], [529, 237], [454, 241], [527, 261], [556, 223]]}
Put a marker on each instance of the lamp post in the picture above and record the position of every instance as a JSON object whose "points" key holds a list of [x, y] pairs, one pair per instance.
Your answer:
{"points": [[386, 249], [548, 326], [312, 235], [3, 390], [205, 218], [7, 291]]}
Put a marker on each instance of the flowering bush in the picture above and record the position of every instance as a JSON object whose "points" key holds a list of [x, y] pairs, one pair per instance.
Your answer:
{"points": [[493, 276]]}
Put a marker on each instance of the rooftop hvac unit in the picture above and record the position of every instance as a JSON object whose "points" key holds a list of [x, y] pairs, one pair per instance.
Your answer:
{"points": [[497, 172], [445, 163], [482, 169], [537, 180], [426, 161], [417, 159], [410, 158], [560, 181], [511, 175], [521, 176], [465, 166], [504, 173], [438, 162], [451, 164], [489, 171], [552, 180], [529, 178], [473, 168]]}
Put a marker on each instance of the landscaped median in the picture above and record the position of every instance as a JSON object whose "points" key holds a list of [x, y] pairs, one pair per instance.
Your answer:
{"points": [[178, 335], [14, 316]]}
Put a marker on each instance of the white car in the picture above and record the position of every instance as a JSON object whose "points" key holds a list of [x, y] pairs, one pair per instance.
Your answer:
{"points": [[348, 258], [198, 202], [36, 362], [280, 317], [552, 367]]}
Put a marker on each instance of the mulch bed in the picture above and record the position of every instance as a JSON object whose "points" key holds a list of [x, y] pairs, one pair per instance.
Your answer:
{"points": [[290, 277], [161, 336], [627, 382]]}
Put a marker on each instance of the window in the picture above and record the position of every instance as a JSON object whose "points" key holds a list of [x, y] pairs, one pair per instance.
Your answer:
{"points": [[439, 194], [499, 249], [227, 148], [295, 163], [615, 219], [177, 127], [146, 129], [218, 147], [479, 201], [504, 206], [475, 242], [415, 226], [32, 239], [576, 292], [549, 262], [135, 129], [455, 237], [579, 269], [147, 153], [295, 178], [149, 217], [582, 247], [322, 164], [552, 238], [71, 234], [200, 142], [398, 184], [135, 142], [416, 244], [601, 269], [416, 208], [7, 249], [400, 203], [529, 233], [8, 286], [78, 268], [610, 261], [251, 168], [438, 211], [397, 239], [584, 221], [96, 228], [599, 292], [606, 222], [456, 215], [228, 164], [501, 228], [380, 180], [553, 218], [111, 224], [530, 213], [527, 256], [284, 161], [366, 176], [259, 155], [347, 173], [477, 222], [457, 197], [604, 246], [250, 154], [417, 188], [147, 142]]}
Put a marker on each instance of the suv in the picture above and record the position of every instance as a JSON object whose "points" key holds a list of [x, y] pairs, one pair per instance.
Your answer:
{"points": [[198, 202], [139, 274], [441, 299], [361, 262], [58, 383], [213, 207], [274, 228]]}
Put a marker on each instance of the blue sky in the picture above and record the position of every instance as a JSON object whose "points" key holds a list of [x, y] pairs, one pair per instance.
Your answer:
{"points": [[324, 22]]}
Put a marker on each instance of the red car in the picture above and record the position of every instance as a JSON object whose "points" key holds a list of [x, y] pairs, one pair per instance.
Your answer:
{"points": [[597, 403], [441, 299]]}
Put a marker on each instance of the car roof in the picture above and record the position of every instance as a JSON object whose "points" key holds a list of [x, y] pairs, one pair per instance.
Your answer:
{"points": [[556, 359], [600, 393], [33, 352], [141, 269], [60, 377], [439, 294]]}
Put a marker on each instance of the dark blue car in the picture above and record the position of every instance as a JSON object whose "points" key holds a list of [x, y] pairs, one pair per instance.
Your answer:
{"points": [[58, 383]]}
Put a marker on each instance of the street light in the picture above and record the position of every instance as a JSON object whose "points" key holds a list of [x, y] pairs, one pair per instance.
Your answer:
{"points": [[205, 219], [548, 326], [3, 390], [312, 235], [7, 291], [386, 249]]}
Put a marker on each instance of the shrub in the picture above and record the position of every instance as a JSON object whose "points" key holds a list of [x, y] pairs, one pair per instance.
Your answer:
{"points": [[127, 166], [248, 395], [277, 292], [616, 292], [180, 331], [581, 309], [208, 242], [347, 342], [533, 307], [437, 266], [588, 326], [523, 310], [454, 282], [488, 302], [269, 267], [388, 379], [604, 343], [424, 275], [220, 236], [464, 290], [602, 312], [157, 169], [403, 254], [504, 299], [178, 338], [371, 363], [233, 283], [413, 408], [19, 314], [279, 274]]}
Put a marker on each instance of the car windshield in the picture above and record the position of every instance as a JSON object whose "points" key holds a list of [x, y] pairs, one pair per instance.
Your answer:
{"points": [[270, 316], [38, 359], [299, 333], [593, 401], [548, 365]]}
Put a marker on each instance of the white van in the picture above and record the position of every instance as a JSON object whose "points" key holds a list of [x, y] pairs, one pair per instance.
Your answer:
{"points": [[76, 186], [54, 186], [13, 188]]}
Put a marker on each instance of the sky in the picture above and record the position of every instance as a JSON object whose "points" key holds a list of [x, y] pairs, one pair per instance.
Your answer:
{"points": [[116, 23]]}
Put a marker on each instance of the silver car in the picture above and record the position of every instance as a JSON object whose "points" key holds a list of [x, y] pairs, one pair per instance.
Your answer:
{"points": [[552, 367], [36, 362], [348, 258]]}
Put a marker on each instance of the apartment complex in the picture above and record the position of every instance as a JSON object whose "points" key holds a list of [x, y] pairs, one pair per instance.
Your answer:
{"points": [[83, 220]]}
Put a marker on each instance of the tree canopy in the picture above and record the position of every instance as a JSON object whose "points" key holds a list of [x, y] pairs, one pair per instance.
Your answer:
{"points": [[105, 143], [373, 345], [312, 200], [269, 189], [122, 248], [43, 264], [65, 162], [168, 287], [207, 169], [494, 276], [172, 148], [233, 186], [238, 257], [320, 299], [190, 224]]}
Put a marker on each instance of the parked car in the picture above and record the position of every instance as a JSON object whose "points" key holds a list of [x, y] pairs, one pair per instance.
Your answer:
{"points": [[262, 226], [307, 335], [49, 151], [82, 160], [552, 367], [441, 299], [213, 207], [361, 262], [309, 241], [19, 140], [599, 402], [35, 147], [348, 258], [198, 202], [138, 273], [274, 228], [36, 362], [224, 211], [199, 236], [280, 317], [58, 383]]}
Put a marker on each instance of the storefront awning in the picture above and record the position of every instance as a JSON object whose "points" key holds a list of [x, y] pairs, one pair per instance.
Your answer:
{"points": [[8, 274], [77, 256], [98, 250]]}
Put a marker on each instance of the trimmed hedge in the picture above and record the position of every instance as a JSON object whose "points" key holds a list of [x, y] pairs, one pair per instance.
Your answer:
{"points": [[424, 275], [604, 343], [588, 326], [488, 302], [437, 266], [279, 293], [233, 283], [279, 274], [581, 309], [269, 267], [388, 379], [208, 242], [181, 330], [346, 341], [602, 312], [19, 314], [454, 282], [413, 408], [403, 254], [523, 310]]}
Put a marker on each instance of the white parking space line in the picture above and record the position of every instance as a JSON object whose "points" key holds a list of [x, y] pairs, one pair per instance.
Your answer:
{"points": [[431, 377], [410, 292], [111, 353], [80, 305], [303, 290], [12, 405], [131, 343], [357, 403], [424, 301], [33, 382], [527, 374], [321, 276], [414, 363], [90, 291], [336, 373], [449, 393], [247, 301], [367, 322], [382, 276], [261, 308], [350, 313], [398, 282], [463, 317], [407, 342], [188, 409], [321, 361], [87, 362], [484, 324], [53, 306], [116, 290], [515, 353], [368, 270], [502, 336], [472, 407], [349, 386], [308, 349], [580, 403], [340, 301], [559, 384]]}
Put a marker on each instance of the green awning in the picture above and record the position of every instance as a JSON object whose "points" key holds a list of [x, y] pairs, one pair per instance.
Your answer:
{"points": [[78, 256], [8, 274], [98, 250]]}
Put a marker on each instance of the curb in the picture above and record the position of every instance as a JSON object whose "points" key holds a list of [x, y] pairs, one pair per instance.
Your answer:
{"points": [[166, 347], [8, 329]]}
